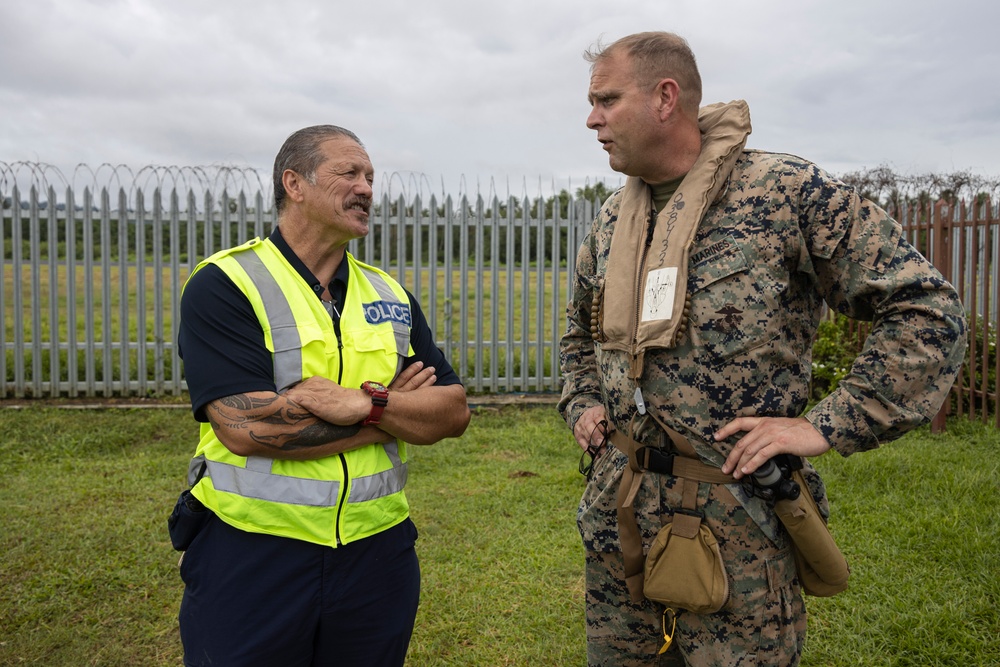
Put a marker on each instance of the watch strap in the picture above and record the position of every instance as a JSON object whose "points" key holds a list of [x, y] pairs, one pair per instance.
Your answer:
{"points": [[380, 398]]}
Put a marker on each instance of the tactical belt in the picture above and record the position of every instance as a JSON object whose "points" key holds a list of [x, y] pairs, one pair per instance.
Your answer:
{"points": [[684, 464]]}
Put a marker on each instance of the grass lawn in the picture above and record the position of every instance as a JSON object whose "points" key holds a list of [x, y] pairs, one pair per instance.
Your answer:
{"points": [[88, 577]]}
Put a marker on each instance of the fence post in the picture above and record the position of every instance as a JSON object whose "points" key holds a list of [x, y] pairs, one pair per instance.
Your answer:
{"points": [[940, 256]]}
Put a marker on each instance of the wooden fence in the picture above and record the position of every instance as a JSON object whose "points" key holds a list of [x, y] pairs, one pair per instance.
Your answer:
{"points": [[962, 239], [967, 253]]}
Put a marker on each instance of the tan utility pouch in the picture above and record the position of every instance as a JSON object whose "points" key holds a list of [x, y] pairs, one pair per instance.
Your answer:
{"points": [[684, 567], [684, 559], [822, 568]]}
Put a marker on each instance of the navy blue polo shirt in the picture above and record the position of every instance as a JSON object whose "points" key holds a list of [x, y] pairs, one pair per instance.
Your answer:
{"points": [[222, 343]]}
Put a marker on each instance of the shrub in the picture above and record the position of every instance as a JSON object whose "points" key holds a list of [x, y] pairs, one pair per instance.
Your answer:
{"points": [[834, 351]]}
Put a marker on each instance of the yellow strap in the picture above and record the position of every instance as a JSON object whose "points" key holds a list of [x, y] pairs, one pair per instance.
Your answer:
{"points": [[668, 637]]}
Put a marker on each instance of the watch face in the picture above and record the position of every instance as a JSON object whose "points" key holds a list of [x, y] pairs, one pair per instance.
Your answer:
{"points": [[380, 398]]}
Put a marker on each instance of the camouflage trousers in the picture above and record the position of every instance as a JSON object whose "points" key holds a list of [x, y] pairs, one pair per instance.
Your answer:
{"points": [[763, 624]]}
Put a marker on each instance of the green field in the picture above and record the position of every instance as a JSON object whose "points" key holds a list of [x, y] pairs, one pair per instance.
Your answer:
{"points": [[88, 576]]}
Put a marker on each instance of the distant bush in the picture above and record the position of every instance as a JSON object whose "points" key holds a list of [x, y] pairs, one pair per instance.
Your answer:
{"points": [[833, 353]]}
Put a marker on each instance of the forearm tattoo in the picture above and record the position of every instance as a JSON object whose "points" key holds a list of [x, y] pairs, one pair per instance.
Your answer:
{"points": [[296, 427]]}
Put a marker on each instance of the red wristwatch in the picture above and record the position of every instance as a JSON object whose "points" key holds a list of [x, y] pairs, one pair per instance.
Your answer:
{"points": [[380, 399]]}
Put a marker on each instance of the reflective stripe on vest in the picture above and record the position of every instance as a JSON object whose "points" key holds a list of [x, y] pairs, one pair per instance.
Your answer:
{"points": [[381, 484], [400, 330], [252, 482], [256, 479], [284, 332], [284, 329]]}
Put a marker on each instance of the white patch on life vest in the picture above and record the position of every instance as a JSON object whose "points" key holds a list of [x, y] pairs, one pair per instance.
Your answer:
{"points": [[658, 297]]}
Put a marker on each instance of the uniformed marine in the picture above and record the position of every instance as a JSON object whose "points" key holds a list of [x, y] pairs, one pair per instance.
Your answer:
{"points": [[697, 295]]}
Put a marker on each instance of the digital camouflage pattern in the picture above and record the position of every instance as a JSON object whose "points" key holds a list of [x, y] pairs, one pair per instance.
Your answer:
{"points": [[782, 238]]}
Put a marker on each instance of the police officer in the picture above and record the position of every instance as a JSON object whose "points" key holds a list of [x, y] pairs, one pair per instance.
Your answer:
{"points": [[696, 298], [310, 371]]}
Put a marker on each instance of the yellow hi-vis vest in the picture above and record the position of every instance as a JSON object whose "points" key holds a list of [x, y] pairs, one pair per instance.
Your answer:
{"points": [[337, 499]]}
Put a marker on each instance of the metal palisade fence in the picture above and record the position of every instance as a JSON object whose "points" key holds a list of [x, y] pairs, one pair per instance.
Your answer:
{"points": [[91, 282]]}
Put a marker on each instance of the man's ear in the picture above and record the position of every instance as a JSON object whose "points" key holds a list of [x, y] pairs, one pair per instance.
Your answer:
{"points": [[292, 181], [667, 93]]}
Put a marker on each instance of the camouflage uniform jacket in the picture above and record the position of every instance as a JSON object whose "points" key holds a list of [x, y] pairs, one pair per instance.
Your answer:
{"points": [[781, 238]]}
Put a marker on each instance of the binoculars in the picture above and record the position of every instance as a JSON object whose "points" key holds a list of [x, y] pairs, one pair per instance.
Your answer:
{"points": [[772, 481]]}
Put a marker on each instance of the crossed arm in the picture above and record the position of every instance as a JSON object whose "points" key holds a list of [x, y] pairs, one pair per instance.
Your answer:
{"points": [[318, 417]]}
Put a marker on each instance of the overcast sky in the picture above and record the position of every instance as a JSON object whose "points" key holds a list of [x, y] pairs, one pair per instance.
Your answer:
{"points": [[453, 94]]}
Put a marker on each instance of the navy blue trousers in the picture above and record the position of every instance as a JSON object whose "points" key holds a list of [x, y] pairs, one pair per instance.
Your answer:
{"points": [[254, 600]]}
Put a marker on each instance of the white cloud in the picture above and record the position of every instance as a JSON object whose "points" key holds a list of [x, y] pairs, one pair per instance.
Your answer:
{"points": [[448, 89]]}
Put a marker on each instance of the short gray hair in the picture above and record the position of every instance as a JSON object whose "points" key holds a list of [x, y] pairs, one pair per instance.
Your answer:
{"points": [[301, 153], [655, 56]]}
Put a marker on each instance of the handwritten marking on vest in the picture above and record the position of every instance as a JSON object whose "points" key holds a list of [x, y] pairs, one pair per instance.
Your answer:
{"points": [[678, 204], [377, 312]]}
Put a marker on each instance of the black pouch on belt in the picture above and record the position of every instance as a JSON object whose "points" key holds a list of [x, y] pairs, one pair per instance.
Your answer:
{"points": [[187, 520], [189, 516]]}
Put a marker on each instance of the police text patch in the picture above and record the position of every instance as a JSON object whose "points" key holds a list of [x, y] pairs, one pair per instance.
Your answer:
{"points": [[377, 312]]}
